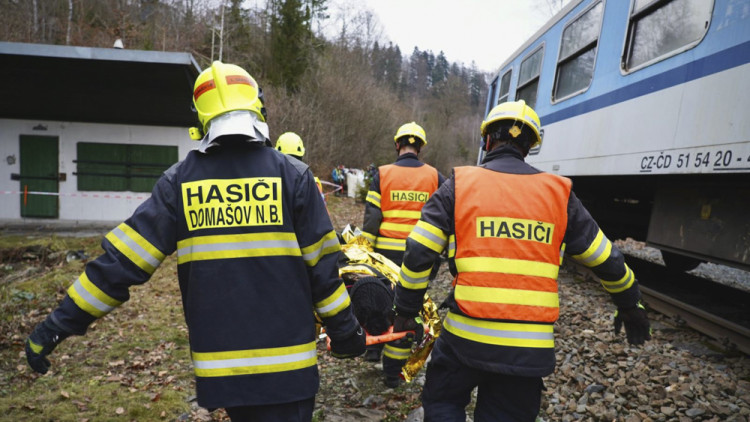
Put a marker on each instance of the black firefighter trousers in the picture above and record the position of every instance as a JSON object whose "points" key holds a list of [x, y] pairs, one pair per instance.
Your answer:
{"points": [[449, 383]]}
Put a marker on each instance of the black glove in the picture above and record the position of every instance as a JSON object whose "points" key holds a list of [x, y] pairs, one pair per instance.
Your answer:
{"points": [[42, 341], [637, 328], [402, 323], [350, 346]]}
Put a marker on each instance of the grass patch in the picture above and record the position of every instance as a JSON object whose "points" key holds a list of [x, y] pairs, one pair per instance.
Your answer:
{"points": [[133, 364]]}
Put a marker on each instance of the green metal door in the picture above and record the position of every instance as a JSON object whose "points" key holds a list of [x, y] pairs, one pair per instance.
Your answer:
{"points": [[39, 173]]}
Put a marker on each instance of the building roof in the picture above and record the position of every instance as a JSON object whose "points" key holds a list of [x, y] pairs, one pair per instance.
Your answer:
{"points": [[98, 85]]}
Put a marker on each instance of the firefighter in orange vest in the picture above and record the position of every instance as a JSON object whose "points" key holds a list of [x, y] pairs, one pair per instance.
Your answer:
{"points": [[256, 253], [505, 225], [397, 194]]}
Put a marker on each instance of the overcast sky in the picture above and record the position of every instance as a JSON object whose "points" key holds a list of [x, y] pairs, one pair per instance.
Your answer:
{"points": [[485, 31]]}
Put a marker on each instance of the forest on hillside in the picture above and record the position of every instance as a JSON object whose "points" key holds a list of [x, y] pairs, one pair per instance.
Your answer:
{"points": [[328, 75]]}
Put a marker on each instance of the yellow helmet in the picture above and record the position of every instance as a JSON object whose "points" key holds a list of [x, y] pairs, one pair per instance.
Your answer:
{"points": [[291, 144], [517, 111], [412, 130], [223, 88]]}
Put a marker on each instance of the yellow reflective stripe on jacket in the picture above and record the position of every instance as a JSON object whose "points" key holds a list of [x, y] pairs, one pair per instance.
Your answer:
{"points": [[562, 253], [452, 246], [91, 298], [254, 361], [622, 284], [333, 304], [429, 236], [373, 198], [597, 252], [500, 333], [370, 237], [507, 296], [390, 243], [131, 244], [397, 227], [507, 266], [413, 280], [237, 246], [328, 244], [414, 215], [397, 353]]}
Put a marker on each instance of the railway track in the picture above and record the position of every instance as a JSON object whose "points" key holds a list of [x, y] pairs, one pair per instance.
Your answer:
{"points": [[720, 312]]}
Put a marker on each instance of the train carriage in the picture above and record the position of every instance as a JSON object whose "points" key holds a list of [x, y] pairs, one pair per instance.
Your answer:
{"points": [[645, 104]]}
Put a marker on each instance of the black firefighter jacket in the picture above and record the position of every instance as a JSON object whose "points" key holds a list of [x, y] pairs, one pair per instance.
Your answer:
{"points": [[256, 254]]}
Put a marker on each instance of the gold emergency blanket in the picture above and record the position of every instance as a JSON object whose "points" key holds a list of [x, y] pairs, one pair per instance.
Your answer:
{"points": [[360, 260]]}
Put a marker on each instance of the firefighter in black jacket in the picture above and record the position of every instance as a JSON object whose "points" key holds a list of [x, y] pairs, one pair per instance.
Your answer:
{"points": [[505, 225], [397, 194], [256, 253]]}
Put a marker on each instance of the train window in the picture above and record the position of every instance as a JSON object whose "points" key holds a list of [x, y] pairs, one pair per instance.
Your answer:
{"points": [[662, 28], [491, 96], [504, 87], [528, 77], [575, 65]]}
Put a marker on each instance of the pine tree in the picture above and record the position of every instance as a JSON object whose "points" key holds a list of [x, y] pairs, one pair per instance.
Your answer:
{"points": [[291, 40]]}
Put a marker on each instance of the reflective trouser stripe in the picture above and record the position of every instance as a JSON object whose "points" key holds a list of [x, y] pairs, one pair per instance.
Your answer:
{"points": [[91, 298], [500, 333], [255, 361], [397, 353], [237, 246]]}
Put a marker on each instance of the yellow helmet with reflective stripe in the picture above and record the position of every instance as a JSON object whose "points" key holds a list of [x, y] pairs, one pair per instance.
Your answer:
{"points": [[411, 130], [223, 88], [517, 111], [290, 143]]}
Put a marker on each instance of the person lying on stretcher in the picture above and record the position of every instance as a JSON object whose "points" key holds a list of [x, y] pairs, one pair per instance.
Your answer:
{"points": [[370, 279]]}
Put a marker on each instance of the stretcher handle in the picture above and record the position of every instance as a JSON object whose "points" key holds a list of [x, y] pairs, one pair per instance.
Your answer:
{"points": [[388, 336]]}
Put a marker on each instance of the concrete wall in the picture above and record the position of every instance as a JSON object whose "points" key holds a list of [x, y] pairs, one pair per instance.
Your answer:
{"points": [[75, 206]]}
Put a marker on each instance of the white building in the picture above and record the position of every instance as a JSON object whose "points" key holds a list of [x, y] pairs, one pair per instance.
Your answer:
{"points": [[85, 132]]}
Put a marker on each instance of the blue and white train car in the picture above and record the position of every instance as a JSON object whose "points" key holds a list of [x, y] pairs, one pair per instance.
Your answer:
{"points": [[645, 104]]}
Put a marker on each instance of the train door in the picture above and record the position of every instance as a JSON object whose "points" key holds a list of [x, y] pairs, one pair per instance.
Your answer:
{"points": [[39, 173]]}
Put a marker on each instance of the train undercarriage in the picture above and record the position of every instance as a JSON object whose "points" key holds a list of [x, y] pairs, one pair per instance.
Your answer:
{"points": [[690, 218]]}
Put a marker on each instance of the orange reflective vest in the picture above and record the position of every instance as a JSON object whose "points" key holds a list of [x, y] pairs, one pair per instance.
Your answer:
{"points": [[404, 191], [509, 234]]}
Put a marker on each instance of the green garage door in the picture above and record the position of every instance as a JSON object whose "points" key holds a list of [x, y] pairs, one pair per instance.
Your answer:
{"points": [[39, 173]]}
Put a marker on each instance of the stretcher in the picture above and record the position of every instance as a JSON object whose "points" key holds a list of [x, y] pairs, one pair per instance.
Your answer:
{"points": [[387, 337]]}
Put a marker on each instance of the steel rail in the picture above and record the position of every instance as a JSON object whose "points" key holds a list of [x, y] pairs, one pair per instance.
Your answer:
{"points": [[726, 334]]}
